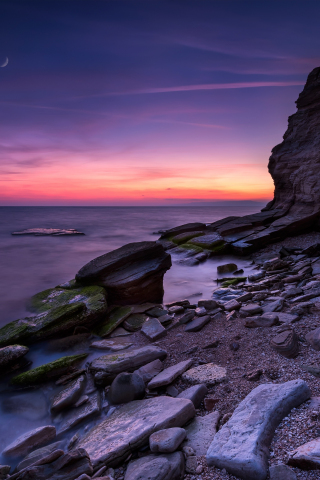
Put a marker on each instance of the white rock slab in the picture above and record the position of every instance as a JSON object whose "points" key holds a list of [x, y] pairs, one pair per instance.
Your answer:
{"points": [[209, 374], [169, 374], [30, 440], [200, 432], [130, 427], [306, 456], [241, 446]]}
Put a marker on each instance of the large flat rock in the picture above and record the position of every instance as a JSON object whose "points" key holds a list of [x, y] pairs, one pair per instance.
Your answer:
{"points": [[130, 427], [131, 274], [241, 446], [306, 456], [169, 374], [157, 467], [200, 432], [128, 361], [30, 440]]}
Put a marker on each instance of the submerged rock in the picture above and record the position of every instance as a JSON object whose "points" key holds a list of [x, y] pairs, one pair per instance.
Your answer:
{"points": [[37, 232], [130, 427], [69, 395], [241, 446], [131, 274], [28, 441], [48, 371]]}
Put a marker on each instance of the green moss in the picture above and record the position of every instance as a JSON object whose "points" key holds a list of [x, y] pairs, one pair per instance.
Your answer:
{"points": [[134, 322], [218, 249], [113, 320], [233, 281], [189, 246], [48, 371], [184, 237]]}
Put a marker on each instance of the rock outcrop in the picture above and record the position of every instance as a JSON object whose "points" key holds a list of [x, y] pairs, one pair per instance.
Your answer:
{"points": [[131, 274]]}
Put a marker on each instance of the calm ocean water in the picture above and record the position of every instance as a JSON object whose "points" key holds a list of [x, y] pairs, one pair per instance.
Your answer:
{"points": [[31, 264]]}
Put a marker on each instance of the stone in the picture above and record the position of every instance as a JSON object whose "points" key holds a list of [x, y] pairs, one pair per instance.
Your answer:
{"points": [[286, 343], [169, 374], [209, 403], [200, 311], [245, 297], [227, 268], [313, 369], [38, 454], [111, 365], [75, 416], [209, 374], [120, 332], [69, 395], [313, 338], [111, 345], [147, 372], [156, 467], [207, 241], [130, 426], [29, 440], [197, 324], [165, 319], [131, 274], [251, 309], [126, 387], [306, 456], [273, 306], [10, 355], [196, 394], [188, 227], [186, 317], [172, 391], [232, 305], [49, 371], [157, 312], [183, 303], [135, 321], [167, 440], [117, 316], [83, 399], [208, 304], [241, 445], [176, 309], [201, 431], [30, 405], [287, 317], [281, 472], [4, 471], [58, 466], [153, 329], [184, 237], [191, 464], [37, 232], [266, 320]]}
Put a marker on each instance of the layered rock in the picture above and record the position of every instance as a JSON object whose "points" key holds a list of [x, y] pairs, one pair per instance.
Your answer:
{"points": [[131, 274]]}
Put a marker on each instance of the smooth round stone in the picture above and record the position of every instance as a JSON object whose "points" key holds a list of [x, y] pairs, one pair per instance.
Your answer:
{"points": [[126, 387], [167, 440]]}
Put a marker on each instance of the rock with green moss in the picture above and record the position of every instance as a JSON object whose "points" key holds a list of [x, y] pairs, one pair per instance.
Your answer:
{"points": [[193, 249], [49, 371], [207, 241], [184, 237], [59, 312], [232, 281], [112, 321], [134, 322]]}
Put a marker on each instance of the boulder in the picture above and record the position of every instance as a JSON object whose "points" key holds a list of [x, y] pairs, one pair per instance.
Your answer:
{"points": [[232, 305], [167, 440], [286, 343], [282, 472], [196, 394], [313, 338], [153, 329], [306, 456], [242, 445], [49, 371], [201, 431], [69, 395], [10, 355], [209, 374], [111, 365], [156, 467], [30, 440], [275, 306], [169, 374], [126, 387], [130, 427], [227, 268], [131, 274]]}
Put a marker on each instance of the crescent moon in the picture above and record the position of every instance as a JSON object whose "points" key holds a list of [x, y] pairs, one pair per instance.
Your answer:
{"points": [[5, 63]]}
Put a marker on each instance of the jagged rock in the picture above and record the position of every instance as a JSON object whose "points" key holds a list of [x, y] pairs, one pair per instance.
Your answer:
{"points": [[131, 425], [117, 316], [281, 472], [306, 456], [201, 431], [38, 454], [197, 323], [209, 374], [167, 440], [28, 441], [196, 394], [169, 374], [30, 405], [286, 343], [69, 395], [10, 355], [241, 445], [126, 387], [74, 416], [111, 365], [153, 329], [157, 467], [131, 274], [49, 371]]}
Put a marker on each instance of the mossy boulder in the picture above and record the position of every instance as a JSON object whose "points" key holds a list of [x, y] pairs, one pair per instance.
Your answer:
{"points": [[184, 237], [194, 248], [112, 321], [207, 241], [61, 311], [134, 322], [227, 282], [48, 371]]}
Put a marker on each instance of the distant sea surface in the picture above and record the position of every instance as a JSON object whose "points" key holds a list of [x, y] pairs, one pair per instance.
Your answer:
{"points": [[30, 264]]}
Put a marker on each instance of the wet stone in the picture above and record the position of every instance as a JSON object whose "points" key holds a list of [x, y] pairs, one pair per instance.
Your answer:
{"points": [[251, 309], [169, 374], [200, 311], [167, 440], [11, 354], [111, 345], [186, 317], [286, 343], [113, 320], [176, 309], [29, 440], [208, 304], [75, 416], [227, 268], [69, 395], [157, 312], [232, 305], [313, 338]]}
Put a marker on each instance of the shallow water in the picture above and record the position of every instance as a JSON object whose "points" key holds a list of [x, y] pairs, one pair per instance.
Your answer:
{"points": [[31, 264]]}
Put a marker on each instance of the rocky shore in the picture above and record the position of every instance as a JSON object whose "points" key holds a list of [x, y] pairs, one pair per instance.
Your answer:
{"points": [[225, 388]]}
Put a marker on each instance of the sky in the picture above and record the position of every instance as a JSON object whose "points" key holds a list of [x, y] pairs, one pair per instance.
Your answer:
{"points": [[113, 102]]}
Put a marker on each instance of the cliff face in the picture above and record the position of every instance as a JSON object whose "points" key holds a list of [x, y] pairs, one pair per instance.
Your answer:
{"points": [[295, 163]]}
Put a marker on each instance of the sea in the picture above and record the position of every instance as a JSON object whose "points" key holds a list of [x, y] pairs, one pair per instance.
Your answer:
{"points": [[29, 264]]}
